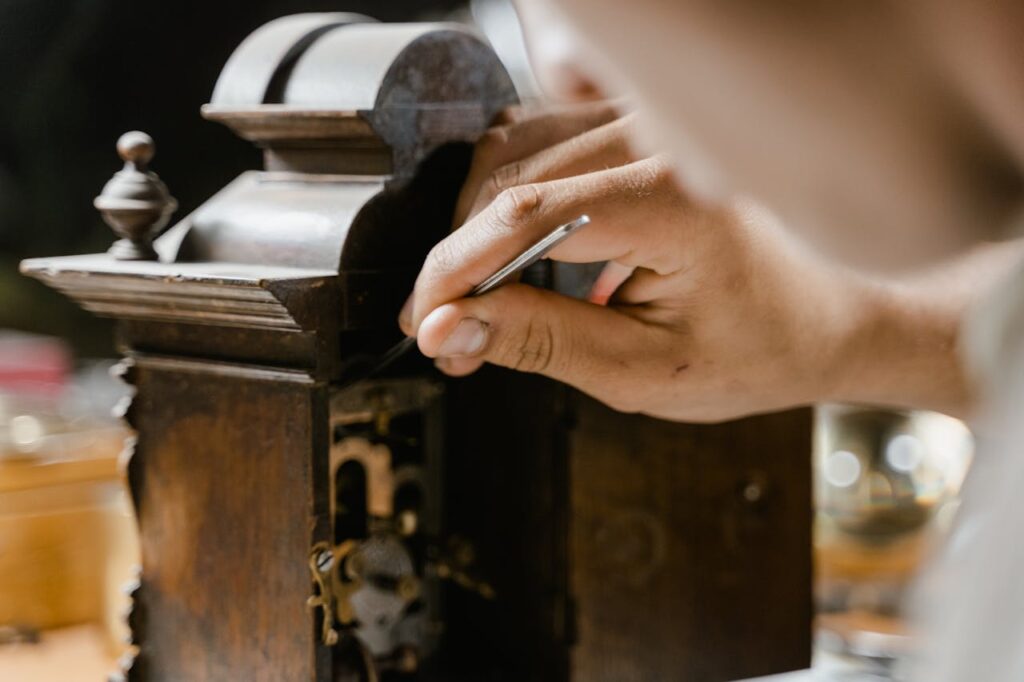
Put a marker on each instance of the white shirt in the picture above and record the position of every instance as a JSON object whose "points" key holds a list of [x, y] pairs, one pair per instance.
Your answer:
{"points": [[971, 606]]}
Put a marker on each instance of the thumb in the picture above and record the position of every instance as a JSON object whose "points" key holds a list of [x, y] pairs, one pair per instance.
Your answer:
{"points": [[588, 346]]}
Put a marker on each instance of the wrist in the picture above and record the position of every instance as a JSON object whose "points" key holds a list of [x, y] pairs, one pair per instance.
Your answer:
{"points": [[899, 347]]}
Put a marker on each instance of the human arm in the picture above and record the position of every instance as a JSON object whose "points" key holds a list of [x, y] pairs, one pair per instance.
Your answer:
{"points": [[725, 314]]}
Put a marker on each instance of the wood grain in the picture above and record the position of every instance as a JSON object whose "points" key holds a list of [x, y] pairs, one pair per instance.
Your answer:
{"points": [[230, 496], [690, 547]]}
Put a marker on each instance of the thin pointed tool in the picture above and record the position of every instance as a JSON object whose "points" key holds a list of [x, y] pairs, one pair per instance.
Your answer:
{"points": [[524, 260]]}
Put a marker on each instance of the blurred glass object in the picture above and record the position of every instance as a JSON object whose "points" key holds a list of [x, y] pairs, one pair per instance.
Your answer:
{"points": [[886, 488]]}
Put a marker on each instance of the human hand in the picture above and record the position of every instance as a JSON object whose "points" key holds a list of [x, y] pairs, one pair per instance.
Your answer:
{"points": [[723, 315]]}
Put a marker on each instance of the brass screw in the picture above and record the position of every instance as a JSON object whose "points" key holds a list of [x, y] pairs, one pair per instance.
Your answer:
{"points": [[324, 560], [408, 661], [408, 588], [408, 522], [752, 492]]}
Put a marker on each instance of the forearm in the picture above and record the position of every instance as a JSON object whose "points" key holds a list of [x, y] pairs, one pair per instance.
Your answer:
{"points": [[903, 346]]}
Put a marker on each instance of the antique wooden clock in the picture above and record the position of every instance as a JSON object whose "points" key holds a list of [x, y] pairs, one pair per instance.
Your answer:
{"points": [[296, 526]]}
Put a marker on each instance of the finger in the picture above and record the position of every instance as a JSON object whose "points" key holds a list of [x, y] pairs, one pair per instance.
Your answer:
{"points": [[612, 276], [532, 330], [637, 288], [601, 293], [518, 113], [515, 113], [458, 367], [627, 207], [606, 146], [727, 243], [504, 144]]}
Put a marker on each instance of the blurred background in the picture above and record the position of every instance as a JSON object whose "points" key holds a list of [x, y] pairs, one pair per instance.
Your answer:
{"points": [[75, 74]]}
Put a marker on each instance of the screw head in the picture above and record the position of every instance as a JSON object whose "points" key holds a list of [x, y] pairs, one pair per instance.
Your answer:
{"points": [[324, 560], [408, 588], [408, 522], [408, 660], [752, 492]]}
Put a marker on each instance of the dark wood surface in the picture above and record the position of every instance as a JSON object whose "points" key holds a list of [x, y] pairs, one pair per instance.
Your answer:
{"points": [[623, 547], [690, 546], [230, 498], [507, 494]]}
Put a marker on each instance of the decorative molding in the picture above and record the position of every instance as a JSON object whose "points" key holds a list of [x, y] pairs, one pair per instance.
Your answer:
{"points": [[219, 368], [222, 294]]}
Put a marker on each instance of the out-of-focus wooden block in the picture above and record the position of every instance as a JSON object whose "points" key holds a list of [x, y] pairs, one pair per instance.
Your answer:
{"points": [[67, 538]]}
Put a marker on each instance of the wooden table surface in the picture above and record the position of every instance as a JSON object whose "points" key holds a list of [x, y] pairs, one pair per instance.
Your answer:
{"points": [[73, 654]]}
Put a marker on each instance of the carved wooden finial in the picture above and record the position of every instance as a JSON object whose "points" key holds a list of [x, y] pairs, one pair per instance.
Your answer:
{"points": [[137, 148], [135, 203]]}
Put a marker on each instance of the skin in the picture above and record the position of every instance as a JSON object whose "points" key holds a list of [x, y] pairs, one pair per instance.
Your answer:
{"points": [[883, 149], [876, 156]]}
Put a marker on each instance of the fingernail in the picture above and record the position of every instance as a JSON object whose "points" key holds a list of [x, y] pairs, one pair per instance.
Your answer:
{"points": [[468, 338], [405, 315]]}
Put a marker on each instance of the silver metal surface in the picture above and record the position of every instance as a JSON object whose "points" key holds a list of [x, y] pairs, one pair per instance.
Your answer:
{"points": [[530, 256], [246, 77]]}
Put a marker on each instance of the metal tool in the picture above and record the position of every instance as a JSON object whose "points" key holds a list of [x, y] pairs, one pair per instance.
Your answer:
{"points": [[524, 260]]}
